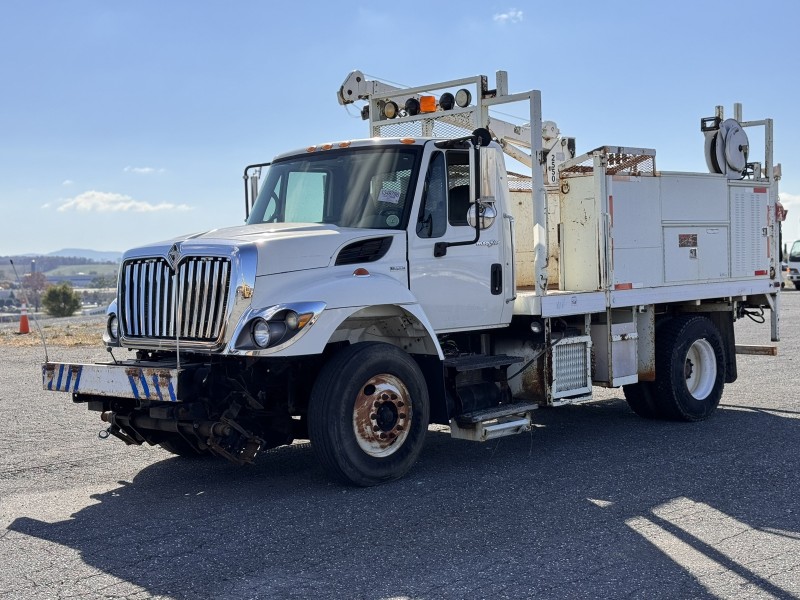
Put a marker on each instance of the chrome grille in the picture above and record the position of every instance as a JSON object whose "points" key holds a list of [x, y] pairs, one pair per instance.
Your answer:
{"points": [[148, 294]]}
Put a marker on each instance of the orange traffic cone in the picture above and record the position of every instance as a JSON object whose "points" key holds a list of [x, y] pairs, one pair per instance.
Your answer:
{"points": [[23, 320]]}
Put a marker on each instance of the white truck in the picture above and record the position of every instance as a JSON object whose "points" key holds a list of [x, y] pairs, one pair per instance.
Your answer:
{"points": [[385, 284], [792, 266]]}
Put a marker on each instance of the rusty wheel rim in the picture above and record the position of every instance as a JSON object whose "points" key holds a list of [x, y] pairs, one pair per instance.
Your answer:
{"points": [[382, 415]]}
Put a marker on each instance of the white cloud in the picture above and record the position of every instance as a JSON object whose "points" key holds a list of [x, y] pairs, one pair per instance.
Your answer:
{"points": [[790, 201], [791, 226], [46, 205], [67, 182], [94, 201], [142, 170], [510, 16]]}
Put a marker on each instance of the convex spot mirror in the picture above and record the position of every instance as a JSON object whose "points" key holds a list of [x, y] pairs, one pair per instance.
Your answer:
{"points": [[486, 210]]}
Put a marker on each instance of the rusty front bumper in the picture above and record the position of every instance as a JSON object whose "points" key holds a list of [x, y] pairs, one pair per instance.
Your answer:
{"points": [[113, 380]]}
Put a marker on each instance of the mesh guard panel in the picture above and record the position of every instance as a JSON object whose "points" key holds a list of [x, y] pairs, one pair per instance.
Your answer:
{"points": [[571, 367], [451, 126]]}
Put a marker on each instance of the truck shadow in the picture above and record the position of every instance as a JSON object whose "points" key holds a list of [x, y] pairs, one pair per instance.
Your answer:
{"points": [[579, 508]]}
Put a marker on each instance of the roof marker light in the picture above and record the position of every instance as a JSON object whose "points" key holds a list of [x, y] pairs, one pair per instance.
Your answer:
{"points": [[360, 272], [427, 104]]}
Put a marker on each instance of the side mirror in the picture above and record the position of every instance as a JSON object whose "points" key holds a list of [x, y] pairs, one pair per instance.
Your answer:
{"points": [[486, 211], [252, 176]]}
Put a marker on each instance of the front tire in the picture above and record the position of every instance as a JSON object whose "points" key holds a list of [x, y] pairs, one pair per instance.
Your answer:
{"points": [[368, 414], [690, 368]]}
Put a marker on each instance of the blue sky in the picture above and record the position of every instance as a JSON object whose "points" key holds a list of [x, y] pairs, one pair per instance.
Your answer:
{"points": [[125, 123]]}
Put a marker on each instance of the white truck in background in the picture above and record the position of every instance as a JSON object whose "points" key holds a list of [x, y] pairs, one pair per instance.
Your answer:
{"points": [[793, 264], [383, 284]]}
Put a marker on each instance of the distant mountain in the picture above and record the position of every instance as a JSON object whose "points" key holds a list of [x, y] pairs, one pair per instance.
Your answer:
{"points": [[94, 255]]}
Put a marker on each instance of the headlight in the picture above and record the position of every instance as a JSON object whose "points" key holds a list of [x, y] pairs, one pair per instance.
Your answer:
{"points": [[274, 327], [389, 110], [412, 106], [292, 320], [261, 333], [113, 327], [463, 97], [447, 101]]}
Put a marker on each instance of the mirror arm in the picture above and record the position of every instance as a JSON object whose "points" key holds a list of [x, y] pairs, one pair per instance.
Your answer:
{"points": [[247, 194]]}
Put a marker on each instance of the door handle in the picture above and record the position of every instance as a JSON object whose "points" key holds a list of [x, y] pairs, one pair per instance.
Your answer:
{"points": [[497, 279]]}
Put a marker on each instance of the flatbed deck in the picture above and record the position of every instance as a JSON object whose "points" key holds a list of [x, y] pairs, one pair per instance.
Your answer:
{"points": [[560, 303]]}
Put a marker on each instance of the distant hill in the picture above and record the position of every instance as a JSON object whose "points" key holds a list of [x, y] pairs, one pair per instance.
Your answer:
{"points": [[84, 259], [86, 269], [94, 255]]}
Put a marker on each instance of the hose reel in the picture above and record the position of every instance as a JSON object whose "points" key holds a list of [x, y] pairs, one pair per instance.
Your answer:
{"points": [[726, 147]]}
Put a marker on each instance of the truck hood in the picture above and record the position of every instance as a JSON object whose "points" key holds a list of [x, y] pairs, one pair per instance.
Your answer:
{"points": [[282, 247]]}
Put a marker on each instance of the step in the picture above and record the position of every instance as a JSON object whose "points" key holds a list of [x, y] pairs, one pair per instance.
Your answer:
{"points": [[495, 412], [471, 362], [485, 431]]}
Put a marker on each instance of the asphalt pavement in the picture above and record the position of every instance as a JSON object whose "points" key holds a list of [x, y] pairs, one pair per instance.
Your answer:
{"points": [[594, 503]]}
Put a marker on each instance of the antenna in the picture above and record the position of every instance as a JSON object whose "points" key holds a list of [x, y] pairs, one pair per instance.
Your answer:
{"points": [[33, 314]]}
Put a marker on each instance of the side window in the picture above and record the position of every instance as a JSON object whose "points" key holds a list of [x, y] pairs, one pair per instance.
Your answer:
{"points": [[432, 220], [458, 186], [305, 197]]}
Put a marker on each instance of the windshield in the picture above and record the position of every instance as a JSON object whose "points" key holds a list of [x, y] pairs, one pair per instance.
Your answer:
{"points": [[794, 253], [354, 187]]}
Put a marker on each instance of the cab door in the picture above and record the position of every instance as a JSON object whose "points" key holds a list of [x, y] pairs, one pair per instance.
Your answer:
{"points": [[466, 287]]}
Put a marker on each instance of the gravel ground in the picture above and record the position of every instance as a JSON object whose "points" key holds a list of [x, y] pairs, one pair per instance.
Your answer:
{"points": [[67, 331], [594, 503]]}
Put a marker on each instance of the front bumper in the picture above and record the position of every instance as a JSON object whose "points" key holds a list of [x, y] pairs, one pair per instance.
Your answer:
{"points": [[117, 380]]}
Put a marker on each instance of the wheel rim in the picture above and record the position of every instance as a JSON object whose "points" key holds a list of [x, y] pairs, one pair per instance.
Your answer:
{"points": [[382, 415], [700, 369]]}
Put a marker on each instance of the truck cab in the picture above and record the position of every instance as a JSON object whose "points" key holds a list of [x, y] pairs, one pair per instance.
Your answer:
{"points": [[417, 198]]}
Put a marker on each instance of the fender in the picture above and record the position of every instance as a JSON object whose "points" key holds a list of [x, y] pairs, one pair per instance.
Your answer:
{"points": [[392, 308]]}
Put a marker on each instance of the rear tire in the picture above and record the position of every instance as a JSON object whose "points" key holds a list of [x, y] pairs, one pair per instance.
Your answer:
{"points": [[690, 369], [368, 414]]}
